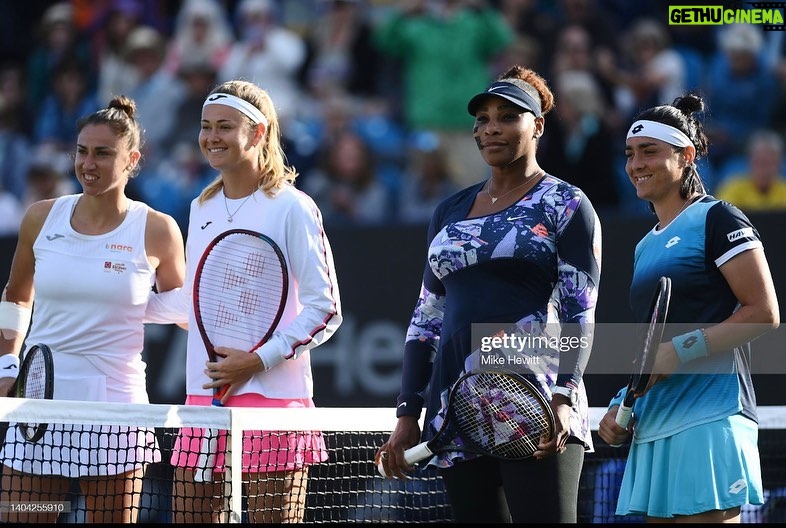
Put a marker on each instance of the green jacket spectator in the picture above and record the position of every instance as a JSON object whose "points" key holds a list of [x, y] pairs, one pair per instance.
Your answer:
{"points": [[445, 56]]}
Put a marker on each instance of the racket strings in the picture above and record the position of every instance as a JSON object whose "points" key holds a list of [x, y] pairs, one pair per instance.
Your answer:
{"points": [[240, 288], [34, 380], [501, 415], [33, 384]]}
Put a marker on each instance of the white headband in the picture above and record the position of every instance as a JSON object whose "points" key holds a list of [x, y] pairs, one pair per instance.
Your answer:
{"points": [[655, 130], [237, 103]]}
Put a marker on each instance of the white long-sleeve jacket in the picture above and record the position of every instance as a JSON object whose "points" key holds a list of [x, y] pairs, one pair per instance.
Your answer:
{"points": [[313, 308]]}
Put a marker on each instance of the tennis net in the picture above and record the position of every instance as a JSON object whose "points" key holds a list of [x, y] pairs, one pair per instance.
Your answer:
{"points": [[345, 487]]}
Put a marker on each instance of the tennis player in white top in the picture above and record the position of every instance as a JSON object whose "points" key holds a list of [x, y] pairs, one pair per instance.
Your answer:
{"points": [[87, 264], [240, 138]]}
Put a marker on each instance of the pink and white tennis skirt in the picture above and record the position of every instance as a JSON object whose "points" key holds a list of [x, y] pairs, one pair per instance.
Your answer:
{"points": [[263, 451]]}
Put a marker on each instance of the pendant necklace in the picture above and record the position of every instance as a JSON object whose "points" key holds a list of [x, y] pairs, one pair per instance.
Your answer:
{"points": [[494, 200], [226, 206]]}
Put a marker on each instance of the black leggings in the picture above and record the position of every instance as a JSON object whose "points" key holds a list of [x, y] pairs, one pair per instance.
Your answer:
{"points": [[487, 490]]}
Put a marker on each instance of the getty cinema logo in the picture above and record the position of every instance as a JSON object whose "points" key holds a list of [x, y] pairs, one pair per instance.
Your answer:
{"points": [[769, 15]]}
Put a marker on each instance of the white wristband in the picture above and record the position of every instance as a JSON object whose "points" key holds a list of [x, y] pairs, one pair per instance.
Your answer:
{"points": [[171, 306], [9, 366], [14, 319]]}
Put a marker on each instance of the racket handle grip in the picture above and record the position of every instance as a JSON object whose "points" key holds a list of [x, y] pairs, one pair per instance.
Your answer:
{"points": [[623, 415], [413, 455], [218, 394]]}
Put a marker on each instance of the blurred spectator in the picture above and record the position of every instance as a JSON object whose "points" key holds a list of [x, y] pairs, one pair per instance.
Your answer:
{"points": [[108, 35], [590, 15], [157, 92], [762, 187], [202, 34], [425, 184], [171, 185], [345, 185], [48, 176], [198, 78], [14, 151], [57, 40], [534, 25], [652, 72], [340, 57], [623, 13], [18, 115], [266, 54], [446, 49], [695, 38], [91, 14], [11, 212], [741, 91], [574, 51], [577, 145], [524, 50], [304, 138], [71, 98]]}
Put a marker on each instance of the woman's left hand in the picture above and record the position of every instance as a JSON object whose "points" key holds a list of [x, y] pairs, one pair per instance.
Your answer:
{"points": [[236, 368]]}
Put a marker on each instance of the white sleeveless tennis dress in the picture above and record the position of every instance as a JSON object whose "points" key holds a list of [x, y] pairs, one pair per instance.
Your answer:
{"points": [[91, 292]]}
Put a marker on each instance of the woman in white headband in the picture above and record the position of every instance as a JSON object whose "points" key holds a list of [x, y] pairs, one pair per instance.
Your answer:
{"points": [[694, 452], [240, 138]]}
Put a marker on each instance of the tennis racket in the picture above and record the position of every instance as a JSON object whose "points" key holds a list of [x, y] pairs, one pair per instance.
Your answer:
{"points": [[490, 412], [36, 381], [4, 425], [240, 290], [646, 357]]}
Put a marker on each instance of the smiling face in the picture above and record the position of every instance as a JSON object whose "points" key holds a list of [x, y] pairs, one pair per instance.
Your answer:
{"points": [[103, 161], [505, 132], [655, 167], [227, 138]]}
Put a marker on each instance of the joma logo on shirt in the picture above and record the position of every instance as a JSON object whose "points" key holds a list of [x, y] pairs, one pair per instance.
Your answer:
{"points": [[745, 232], [119, 247]]}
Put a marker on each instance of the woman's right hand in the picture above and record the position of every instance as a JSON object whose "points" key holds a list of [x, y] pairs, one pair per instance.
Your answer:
{"points": [[609, 431], [391, 453]]}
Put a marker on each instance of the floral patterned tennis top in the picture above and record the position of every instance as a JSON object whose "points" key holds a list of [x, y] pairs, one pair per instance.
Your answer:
{"points": [[529, 270]]}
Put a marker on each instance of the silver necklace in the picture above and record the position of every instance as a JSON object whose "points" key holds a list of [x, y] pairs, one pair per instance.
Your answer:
{"points": [[226, 206], [686, 204], [494, 200]]}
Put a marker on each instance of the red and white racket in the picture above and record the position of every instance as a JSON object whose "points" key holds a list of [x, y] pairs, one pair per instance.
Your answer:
{"points": [[240, 290]]}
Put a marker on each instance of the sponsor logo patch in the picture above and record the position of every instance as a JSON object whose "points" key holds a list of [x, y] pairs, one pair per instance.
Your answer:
{"points": [[745, 232]]}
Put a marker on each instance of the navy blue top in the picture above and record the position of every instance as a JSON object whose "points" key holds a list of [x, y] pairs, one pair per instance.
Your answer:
{"points": [[533, 263]]}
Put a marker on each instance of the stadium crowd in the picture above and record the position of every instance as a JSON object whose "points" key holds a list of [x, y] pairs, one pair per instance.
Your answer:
{"points": [[372, 94]]}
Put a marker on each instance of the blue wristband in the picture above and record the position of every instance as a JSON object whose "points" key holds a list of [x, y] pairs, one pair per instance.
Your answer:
{"points": [[690, 346]]}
